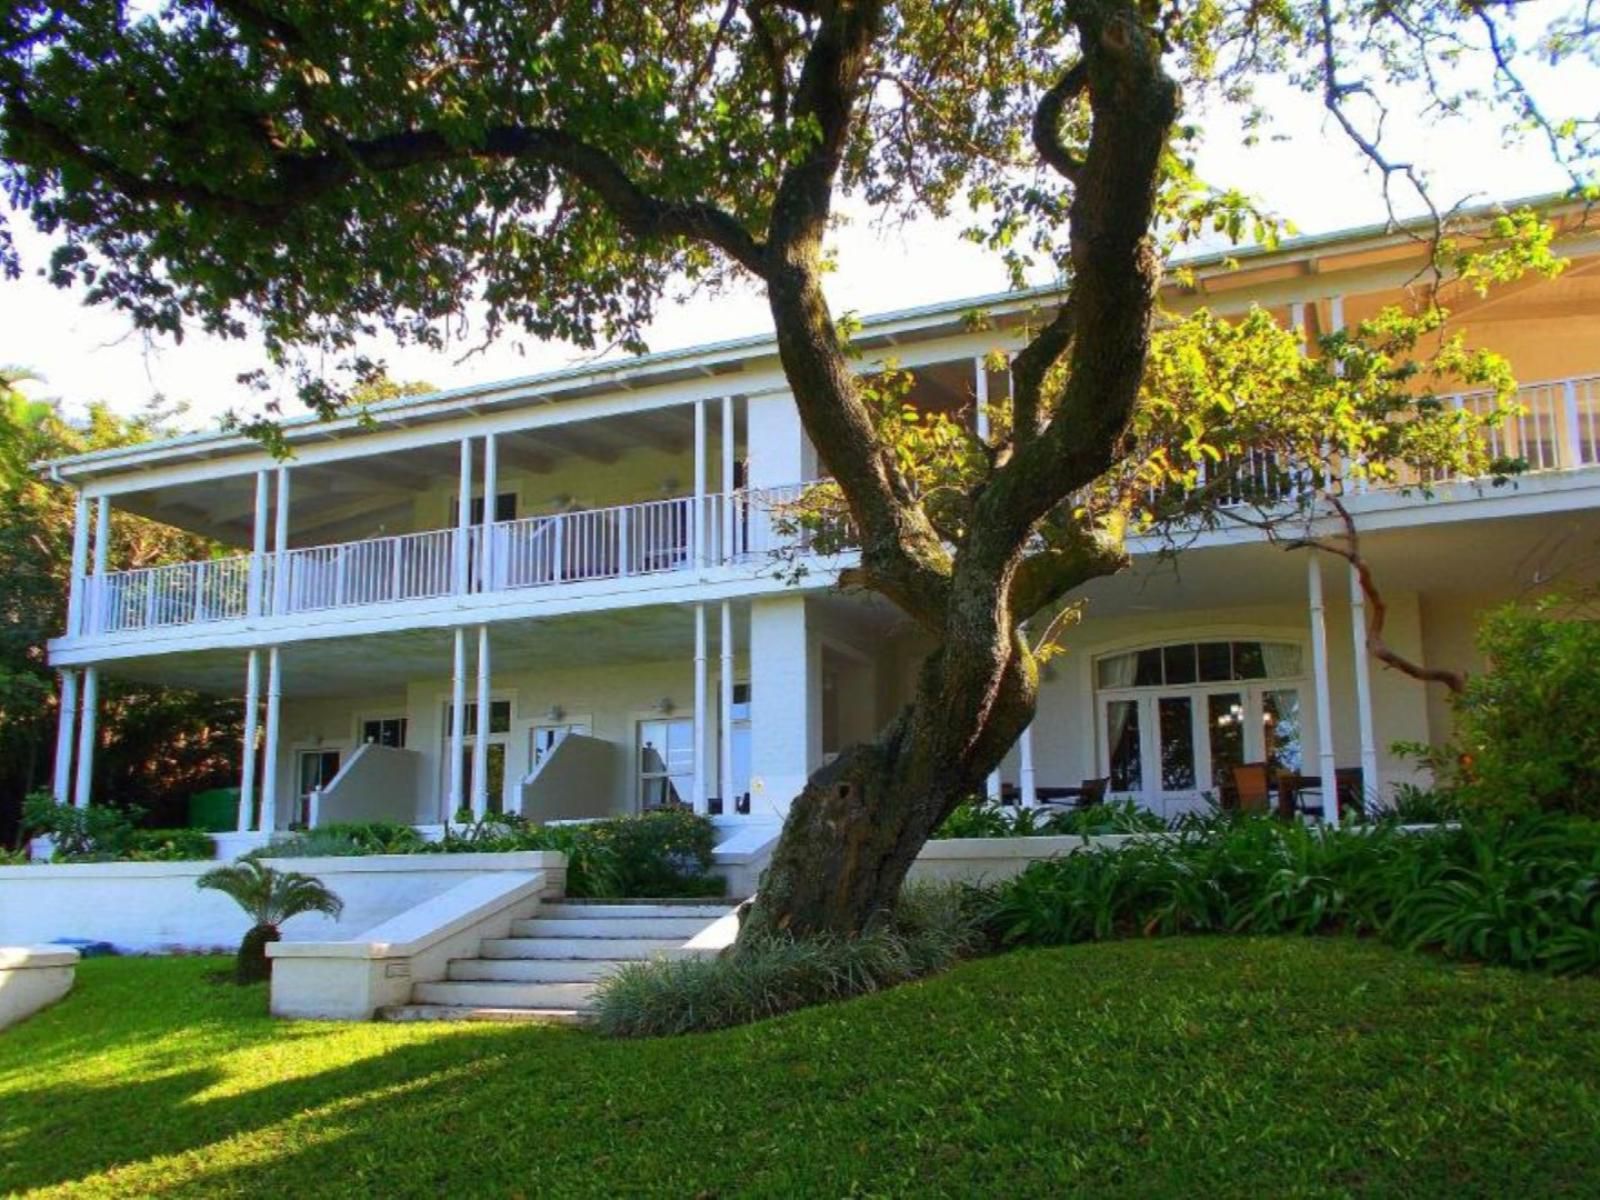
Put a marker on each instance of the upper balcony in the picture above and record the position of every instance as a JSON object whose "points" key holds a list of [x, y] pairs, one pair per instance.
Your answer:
{"points": [[461, 565]]}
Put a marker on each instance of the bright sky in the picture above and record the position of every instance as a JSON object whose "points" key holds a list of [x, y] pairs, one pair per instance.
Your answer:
{"points": [[1316, 180]]}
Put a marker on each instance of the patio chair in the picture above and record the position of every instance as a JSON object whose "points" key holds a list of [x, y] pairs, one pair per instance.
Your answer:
{"points": [[1251, 787]]}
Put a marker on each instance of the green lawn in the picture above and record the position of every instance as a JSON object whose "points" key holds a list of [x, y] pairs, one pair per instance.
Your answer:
{"points": [[1261, 1068]]}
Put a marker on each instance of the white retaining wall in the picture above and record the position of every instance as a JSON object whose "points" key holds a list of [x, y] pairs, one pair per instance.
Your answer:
{"points": [[156, 906], [32, 977]]}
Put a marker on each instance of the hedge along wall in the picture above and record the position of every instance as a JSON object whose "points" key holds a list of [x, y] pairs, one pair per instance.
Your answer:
{"points": [[155, 907]]}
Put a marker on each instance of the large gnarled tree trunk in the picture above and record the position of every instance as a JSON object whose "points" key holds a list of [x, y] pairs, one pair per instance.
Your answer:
{"points": [[854, 831]]}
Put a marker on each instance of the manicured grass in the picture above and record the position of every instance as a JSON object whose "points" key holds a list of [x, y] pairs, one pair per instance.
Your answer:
{"points": [[1248, 1067]]}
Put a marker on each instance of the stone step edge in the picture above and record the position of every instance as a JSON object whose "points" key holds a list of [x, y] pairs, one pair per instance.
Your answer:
{"points": [[464, 1012]]}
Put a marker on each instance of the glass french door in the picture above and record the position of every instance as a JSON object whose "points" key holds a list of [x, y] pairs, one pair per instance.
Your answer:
{"points": [[498, 736], [1168, 749]]}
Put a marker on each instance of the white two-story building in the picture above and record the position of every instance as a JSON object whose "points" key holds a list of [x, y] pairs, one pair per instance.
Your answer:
{"points": [[562, 595]]}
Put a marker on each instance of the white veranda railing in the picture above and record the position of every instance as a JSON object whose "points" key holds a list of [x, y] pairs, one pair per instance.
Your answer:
{"points": [[625, 540]]}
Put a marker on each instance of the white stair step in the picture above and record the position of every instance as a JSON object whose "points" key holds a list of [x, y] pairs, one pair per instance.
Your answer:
{"points": [[500, 994], [553, 947], [570, 910], [533, 970], [612, 927], [455, 1012]]}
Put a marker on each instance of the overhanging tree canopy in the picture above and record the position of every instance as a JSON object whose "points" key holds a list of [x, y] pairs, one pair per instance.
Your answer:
{"points": [[324, 168]]}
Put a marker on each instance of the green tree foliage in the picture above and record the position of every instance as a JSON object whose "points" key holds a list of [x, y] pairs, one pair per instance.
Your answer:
{"points": [[157, 745], [1528, 727], [321, 169]]}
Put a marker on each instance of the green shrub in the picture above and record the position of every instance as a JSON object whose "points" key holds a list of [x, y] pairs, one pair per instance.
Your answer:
{"points": [[1523, 892], [657, 854], [981, 819], [100, 833], [169, 845], [345, 840], [1528, 728], [931, 930]]}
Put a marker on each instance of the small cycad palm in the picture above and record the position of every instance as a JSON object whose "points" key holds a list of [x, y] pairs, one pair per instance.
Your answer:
{"points": [[269, 897]]}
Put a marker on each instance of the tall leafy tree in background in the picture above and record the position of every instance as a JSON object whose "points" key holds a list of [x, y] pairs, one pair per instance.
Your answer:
{"points": [[157, 744], [322, 168]]}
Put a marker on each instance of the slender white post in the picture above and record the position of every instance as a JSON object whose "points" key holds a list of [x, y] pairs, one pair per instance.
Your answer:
{"points": [[1319, 666], [729, 438], [252, 725], [491, 484], [458, 724], [269, 755], [80, 566], [1371, 785], [480, 744], [1569, 410], [463, 517], [280, 551], [993, 786], [258, 545], [1030, 794], [66, 719], [86, 737], [699, 523], [700, 699], [981, 394], [102, 555], [725, 730]]}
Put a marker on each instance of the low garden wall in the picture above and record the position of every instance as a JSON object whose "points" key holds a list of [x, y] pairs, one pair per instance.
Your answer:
{"points": [[157, 907], [979, 860], [33, 977]]}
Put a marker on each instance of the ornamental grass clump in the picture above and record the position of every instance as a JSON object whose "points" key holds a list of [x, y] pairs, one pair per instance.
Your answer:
{"points": [[269, 897], [932, 929]]}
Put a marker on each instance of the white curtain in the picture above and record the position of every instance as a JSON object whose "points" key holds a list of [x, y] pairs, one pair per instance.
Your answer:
{"points": [[1119, 670], [1281, 659]]}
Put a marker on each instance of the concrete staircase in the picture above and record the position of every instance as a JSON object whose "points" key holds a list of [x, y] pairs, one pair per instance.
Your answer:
{"points": [[548, 968]]}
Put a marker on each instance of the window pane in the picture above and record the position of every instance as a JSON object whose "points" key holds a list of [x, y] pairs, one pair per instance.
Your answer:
{"points": [[497, 777], [1280, 727], [1122, 742], [1148, 672], [1247, 662], [652, 747], [1281, 659], [1215, 662], [499, 716], [1117, 670], [1180, 663], [1177, 743], [1225, 726]]}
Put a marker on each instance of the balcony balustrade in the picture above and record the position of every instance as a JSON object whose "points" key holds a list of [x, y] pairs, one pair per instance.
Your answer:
{"points": [[653, 538]]}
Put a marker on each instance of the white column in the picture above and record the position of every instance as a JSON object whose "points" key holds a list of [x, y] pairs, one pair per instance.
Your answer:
{"points": [[992, 786], [86, 737], [1319, 666], [699, 522], [80, 566], [701, 704], [783, 719], [1371, 785], [491, 484], [280, 550], [258, 544], [463, 517], [252, 726], [102, 555], [981, 393], [66, 720], [1025, 777], [725, 724], [269, 753], [480, 745], [729, 442], [458, 726]]}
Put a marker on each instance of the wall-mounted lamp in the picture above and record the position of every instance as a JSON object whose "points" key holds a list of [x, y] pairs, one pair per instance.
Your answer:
{"points": [[555, 713], [665, 705]]}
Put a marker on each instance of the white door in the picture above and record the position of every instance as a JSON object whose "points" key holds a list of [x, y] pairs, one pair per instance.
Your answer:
{"points": [[542, 739]]}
